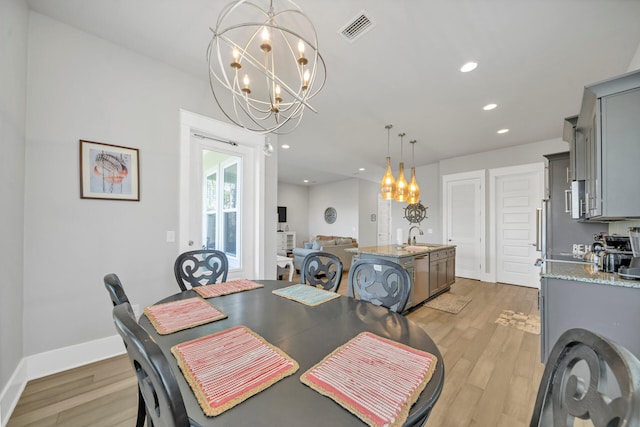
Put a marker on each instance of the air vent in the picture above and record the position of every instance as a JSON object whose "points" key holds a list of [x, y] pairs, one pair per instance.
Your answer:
{"points": [[357, 27]]}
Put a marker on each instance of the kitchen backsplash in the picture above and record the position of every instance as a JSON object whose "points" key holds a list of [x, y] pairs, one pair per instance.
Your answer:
{"points": [[622, 227]]}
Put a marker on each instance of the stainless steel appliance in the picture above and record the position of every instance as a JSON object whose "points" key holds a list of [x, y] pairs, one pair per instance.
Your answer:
{"points": [[633, 270], [558, 231]]}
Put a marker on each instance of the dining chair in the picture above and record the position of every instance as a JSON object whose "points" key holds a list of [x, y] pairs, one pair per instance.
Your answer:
{"points": [[156, 381], [200, 267], [118, 297], [381, 282], [321, 269], [589, 377]]}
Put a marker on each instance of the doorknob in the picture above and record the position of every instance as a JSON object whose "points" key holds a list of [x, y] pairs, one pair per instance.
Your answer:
{"points": [[190, 242], [450, 240]]}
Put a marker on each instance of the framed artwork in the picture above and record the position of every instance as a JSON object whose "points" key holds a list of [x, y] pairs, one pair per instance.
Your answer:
{"points": [[109, 172]]}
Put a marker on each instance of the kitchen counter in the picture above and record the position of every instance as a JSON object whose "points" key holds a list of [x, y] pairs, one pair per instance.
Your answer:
{"points": [[432, 267], [404, 250], [585, 273]]}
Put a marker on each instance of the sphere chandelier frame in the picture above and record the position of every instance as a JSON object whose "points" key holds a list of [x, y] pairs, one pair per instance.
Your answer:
{"points": [[278, 80]]}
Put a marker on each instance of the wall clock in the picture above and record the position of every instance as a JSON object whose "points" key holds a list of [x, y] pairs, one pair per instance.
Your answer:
{"points": [[330, 215]]}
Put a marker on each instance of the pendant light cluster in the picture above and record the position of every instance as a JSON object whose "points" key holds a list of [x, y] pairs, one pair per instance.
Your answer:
{"points": [[399, 190]]}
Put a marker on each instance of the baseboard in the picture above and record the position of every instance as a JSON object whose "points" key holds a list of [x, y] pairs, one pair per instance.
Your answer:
{"points": [[52, 362], [12, 391]]}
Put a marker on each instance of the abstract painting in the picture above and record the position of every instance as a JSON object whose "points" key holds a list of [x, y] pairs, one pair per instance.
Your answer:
{"points": [[109, 172]]}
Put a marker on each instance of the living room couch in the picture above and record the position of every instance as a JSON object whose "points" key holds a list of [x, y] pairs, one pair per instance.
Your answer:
{"points": [[335, 245]]}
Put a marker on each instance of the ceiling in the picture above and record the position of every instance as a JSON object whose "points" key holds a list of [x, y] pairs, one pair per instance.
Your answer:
{"points": [[534, 56]]}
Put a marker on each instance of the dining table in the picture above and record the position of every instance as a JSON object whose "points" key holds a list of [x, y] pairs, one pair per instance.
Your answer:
{"points": [[307, 334]]}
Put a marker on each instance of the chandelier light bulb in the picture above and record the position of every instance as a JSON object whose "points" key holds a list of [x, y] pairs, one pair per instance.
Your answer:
{"points": [[245, 81], [301, 48]]}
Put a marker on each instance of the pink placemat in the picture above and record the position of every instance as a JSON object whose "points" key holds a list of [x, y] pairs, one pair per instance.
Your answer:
{"points": [[228, 367], [183, 314], [374, 378], [226, 288]]}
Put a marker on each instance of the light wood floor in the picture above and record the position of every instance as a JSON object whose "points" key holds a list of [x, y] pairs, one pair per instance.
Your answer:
{"points": [[492, 372]]}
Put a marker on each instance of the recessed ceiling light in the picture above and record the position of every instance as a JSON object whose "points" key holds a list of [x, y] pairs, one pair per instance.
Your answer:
{"points": [[489, 107], [305, 181], [361, 169], [469, 66], [503, 131], [285, 146]]}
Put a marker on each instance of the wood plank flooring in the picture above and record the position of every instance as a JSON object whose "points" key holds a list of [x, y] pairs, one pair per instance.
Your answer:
{"points": [[492, 372]]}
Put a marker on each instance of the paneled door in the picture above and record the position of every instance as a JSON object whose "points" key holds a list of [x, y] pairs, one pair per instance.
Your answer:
{"points": [[463, 216], [516, 193]]}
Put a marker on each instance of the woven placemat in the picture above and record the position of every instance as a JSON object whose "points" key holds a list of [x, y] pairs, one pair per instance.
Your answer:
{"points": [[228, 367], [183, 314], [305, 294], [226, 288], [374, 378]]}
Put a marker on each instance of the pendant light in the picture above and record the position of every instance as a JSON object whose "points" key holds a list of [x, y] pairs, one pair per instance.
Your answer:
{"points": [[388, 183], [413, 195], [401, 183]]}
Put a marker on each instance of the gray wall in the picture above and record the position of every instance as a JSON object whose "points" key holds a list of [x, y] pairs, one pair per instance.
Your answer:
{"points": [[82, 87], [13, 67]]}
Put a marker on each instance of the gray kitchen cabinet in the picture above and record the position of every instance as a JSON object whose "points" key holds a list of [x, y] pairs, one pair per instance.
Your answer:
{"points": [[609, 310], [610, 125], [438, 272], [451, 266], [561, 231]]}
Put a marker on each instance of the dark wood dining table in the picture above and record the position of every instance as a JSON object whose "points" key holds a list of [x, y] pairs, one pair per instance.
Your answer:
{"points": [[307, 334]]}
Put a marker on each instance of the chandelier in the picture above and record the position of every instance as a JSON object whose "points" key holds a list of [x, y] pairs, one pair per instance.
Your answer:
{"points": [[413, 194], [398, 189], [388, 184], [401, 182], [264, 65]]}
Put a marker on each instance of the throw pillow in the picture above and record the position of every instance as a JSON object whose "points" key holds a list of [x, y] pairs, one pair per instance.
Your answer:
{"points": [[344, 242], [316, 246], [328, 243], [308, 245]]}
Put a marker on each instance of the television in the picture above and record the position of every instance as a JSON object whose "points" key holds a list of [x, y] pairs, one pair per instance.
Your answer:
{"points": [[282, 214]]}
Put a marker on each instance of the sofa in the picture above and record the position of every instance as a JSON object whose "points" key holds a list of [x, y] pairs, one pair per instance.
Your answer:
{"points": [[335, 245]]}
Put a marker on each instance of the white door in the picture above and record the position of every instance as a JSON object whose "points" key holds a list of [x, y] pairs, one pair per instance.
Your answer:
{"points": [[516, 193], [463, 216], [220, 204]]}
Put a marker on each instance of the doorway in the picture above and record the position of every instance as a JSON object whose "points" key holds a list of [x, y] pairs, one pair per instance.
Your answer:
{"points": [[464, 219], [222, 193], [516, 192]]}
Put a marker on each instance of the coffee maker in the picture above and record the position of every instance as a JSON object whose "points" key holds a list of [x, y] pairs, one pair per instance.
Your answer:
{"points": [[633, 270]]}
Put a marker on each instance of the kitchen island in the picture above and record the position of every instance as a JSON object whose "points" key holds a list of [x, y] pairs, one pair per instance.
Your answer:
{"points": [[432, 267], [579, 296]]}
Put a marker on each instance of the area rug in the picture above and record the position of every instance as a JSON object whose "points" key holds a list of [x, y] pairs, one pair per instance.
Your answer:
{"points": [[521, 321], [451, 303]]}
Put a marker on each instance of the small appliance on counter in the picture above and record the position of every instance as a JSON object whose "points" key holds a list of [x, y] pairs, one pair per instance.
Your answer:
{"points": [[610, 252], [633, 270]]}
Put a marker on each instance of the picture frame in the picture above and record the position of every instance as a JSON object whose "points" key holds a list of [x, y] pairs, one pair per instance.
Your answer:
{"points": [[109, 172]]}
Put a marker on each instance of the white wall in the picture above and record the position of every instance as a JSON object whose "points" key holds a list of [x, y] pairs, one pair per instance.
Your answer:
{"points": [[635, 61], [296, 199], [82, 87], [341, 195], [367, 206], [13, 66]]}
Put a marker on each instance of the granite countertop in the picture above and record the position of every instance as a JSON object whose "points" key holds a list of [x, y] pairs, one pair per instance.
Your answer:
{"points": [[585, 273], [404, 250]]}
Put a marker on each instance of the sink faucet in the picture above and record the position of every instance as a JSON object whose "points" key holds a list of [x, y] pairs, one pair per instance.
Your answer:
{"points": [[414, 237]]}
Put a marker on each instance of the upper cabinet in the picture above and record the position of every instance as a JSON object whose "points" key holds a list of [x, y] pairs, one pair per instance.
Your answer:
{"points": [[606, 149]]}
